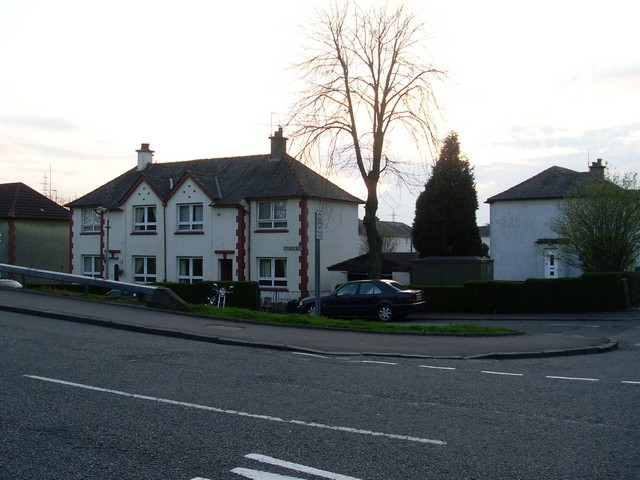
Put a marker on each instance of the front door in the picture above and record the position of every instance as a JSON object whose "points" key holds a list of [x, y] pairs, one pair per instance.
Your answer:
{"points": [[226, 269], [552, 266]]}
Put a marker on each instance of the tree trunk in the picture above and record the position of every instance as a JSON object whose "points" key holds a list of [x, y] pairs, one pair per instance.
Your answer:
{"points": [[370, 225]]}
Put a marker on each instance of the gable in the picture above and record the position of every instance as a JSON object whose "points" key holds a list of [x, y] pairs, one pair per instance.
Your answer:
{"points": [[17, 200], [552, 183]]}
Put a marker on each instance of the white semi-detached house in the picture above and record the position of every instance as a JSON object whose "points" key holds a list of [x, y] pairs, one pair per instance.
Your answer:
{"points": [[249, 218]]}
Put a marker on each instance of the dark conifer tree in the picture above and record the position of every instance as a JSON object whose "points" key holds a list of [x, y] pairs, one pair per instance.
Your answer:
{"points": [[445, 219]]}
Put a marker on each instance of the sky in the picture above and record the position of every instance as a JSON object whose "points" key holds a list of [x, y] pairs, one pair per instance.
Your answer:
{"points": [[83, 83]]}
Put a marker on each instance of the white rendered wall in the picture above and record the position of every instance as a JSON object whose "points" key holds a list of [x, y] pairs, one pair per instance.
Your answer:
{"points": [[515, 228]]}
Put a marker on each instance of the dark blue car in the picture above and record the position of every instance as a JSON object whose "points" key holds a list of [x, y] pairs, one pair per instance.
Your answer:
{"points": [[384, 300]]}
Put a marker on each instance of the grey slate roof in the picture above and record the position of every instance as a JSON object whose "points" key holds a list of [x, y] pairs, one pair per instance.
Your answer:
{"points": [[227, 181], [388, 229], [552, 183], [391, 262], [20, 201]]}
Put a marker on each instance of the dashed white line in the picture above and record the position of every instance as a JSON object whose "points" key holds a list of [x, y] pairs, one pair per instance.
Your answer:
{"points": [[239, 413], [631, 382], [378, 363], [436, 368], [489, 372], [574, 378], [303, 354]]}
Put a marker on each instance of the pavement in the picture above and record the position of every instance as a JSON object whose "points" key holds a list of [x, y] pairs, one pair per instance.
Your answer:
{"points": [[319, 341]]}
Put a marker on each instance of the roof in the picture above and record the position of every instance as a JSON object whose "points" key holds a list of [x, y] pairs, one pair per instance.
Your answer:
{"points": [[552, 183], [17, 200], [391, 262], [388, 229], [227, 181]]}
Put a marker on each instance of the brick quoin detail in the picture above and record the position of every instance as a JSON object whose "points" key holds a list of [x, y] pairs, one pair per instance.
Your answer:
{"points": [[240, 245], [304, 243], [71, 242]]}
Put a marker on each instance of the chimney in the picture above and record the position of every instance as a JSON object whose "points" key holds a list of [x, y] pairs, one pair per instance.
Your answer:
{"points": [[278, 145], [597, 169], [145, 156]]}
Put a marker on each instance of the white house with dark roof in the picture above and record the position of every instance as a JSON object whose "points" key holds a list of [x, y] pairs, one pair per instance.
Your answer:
{"points": [[248, 218], [522, 242], [396, 236]]}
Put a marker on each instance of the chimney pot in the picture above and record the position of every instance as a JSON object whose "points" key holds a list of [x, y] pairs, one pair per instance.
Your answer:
{"points": [[278, 145], [145, 156], [597, 168]]}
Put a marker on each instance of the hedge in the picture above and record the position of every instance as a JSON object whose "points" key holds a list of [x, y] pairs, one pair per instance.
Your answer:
{"points": [[587, 293]]}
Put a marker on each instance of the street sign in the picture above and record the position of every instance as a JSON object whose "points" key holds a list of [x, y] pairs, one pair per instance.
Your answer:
{"points": [[319, 230]]}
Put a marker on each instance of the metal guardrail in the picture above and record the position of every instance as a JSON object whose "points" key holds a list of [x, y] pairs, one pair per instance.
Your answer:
{"points": [[160, 297]]}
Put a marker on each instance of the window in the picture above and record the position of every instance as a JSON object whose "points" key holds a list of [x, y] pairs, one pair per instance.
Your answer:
{"points": [[273, 272], [91, 266], [190, 217], [369, 289], [90, 220], [144, 269], [190, 270], [272, 215], [347, 289], [144, 219]]}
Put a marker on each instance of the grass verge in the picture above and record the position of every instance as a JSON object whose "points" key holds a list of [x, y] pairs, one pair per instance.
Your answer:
{"points": [[232, 313]]}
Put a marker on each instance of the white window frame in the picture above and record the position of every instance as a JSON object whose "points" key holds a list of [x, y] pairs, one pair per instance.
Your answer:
{"points": [[268, 270], [272, 215], [90, 221], [94, 271], [192, 223], [148, 272], [143, 224], [187, 275]]}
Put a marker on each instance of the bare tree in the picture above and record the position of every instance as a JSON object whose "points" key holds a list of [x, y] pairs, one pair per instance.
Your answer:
{"points": [[365, 80]]}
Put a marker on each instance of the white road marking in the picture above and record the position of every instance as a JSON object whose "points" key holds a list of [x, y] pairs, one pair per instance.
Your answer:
{"points": [[239, 413], [436, 368], [308, 354], [298, 467], [574, 378], [502, 373], [632, 382], [258, 475], [378, 363]]}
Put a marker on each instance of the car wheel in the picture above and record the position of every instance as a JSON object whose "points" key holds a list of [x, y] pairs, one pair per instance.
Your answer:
{"points": [[385, 313], [311, 309]]}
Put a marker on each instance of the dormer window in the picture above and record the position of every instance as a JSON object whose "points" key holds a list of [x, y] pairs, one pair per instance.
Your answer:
{"points": [[272, 215], [144, 219]]}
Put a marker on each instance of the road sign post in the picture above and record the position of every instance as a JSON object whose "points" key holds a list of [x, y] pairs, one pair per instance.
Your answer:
{"points": [[319, 235]]}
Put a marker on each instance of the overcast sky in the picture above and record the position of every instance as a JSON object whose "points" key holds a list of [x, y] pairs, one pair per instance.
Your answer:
{"points": [[84, 83]]}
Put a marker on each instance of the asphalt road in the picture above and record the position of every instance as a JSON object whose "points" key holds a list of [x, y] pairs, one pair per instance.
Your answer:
{"points": [[80, 401]]}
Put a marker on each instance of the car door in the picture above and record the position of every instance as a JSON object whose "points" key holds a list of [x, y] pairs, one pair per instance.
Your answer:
{"points": [[368, 298], [340, 304]]}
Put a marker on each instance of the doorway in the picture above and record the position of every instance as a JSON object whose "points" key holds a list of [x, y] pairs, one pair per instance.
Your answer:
{"points": [[226, 269]]}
